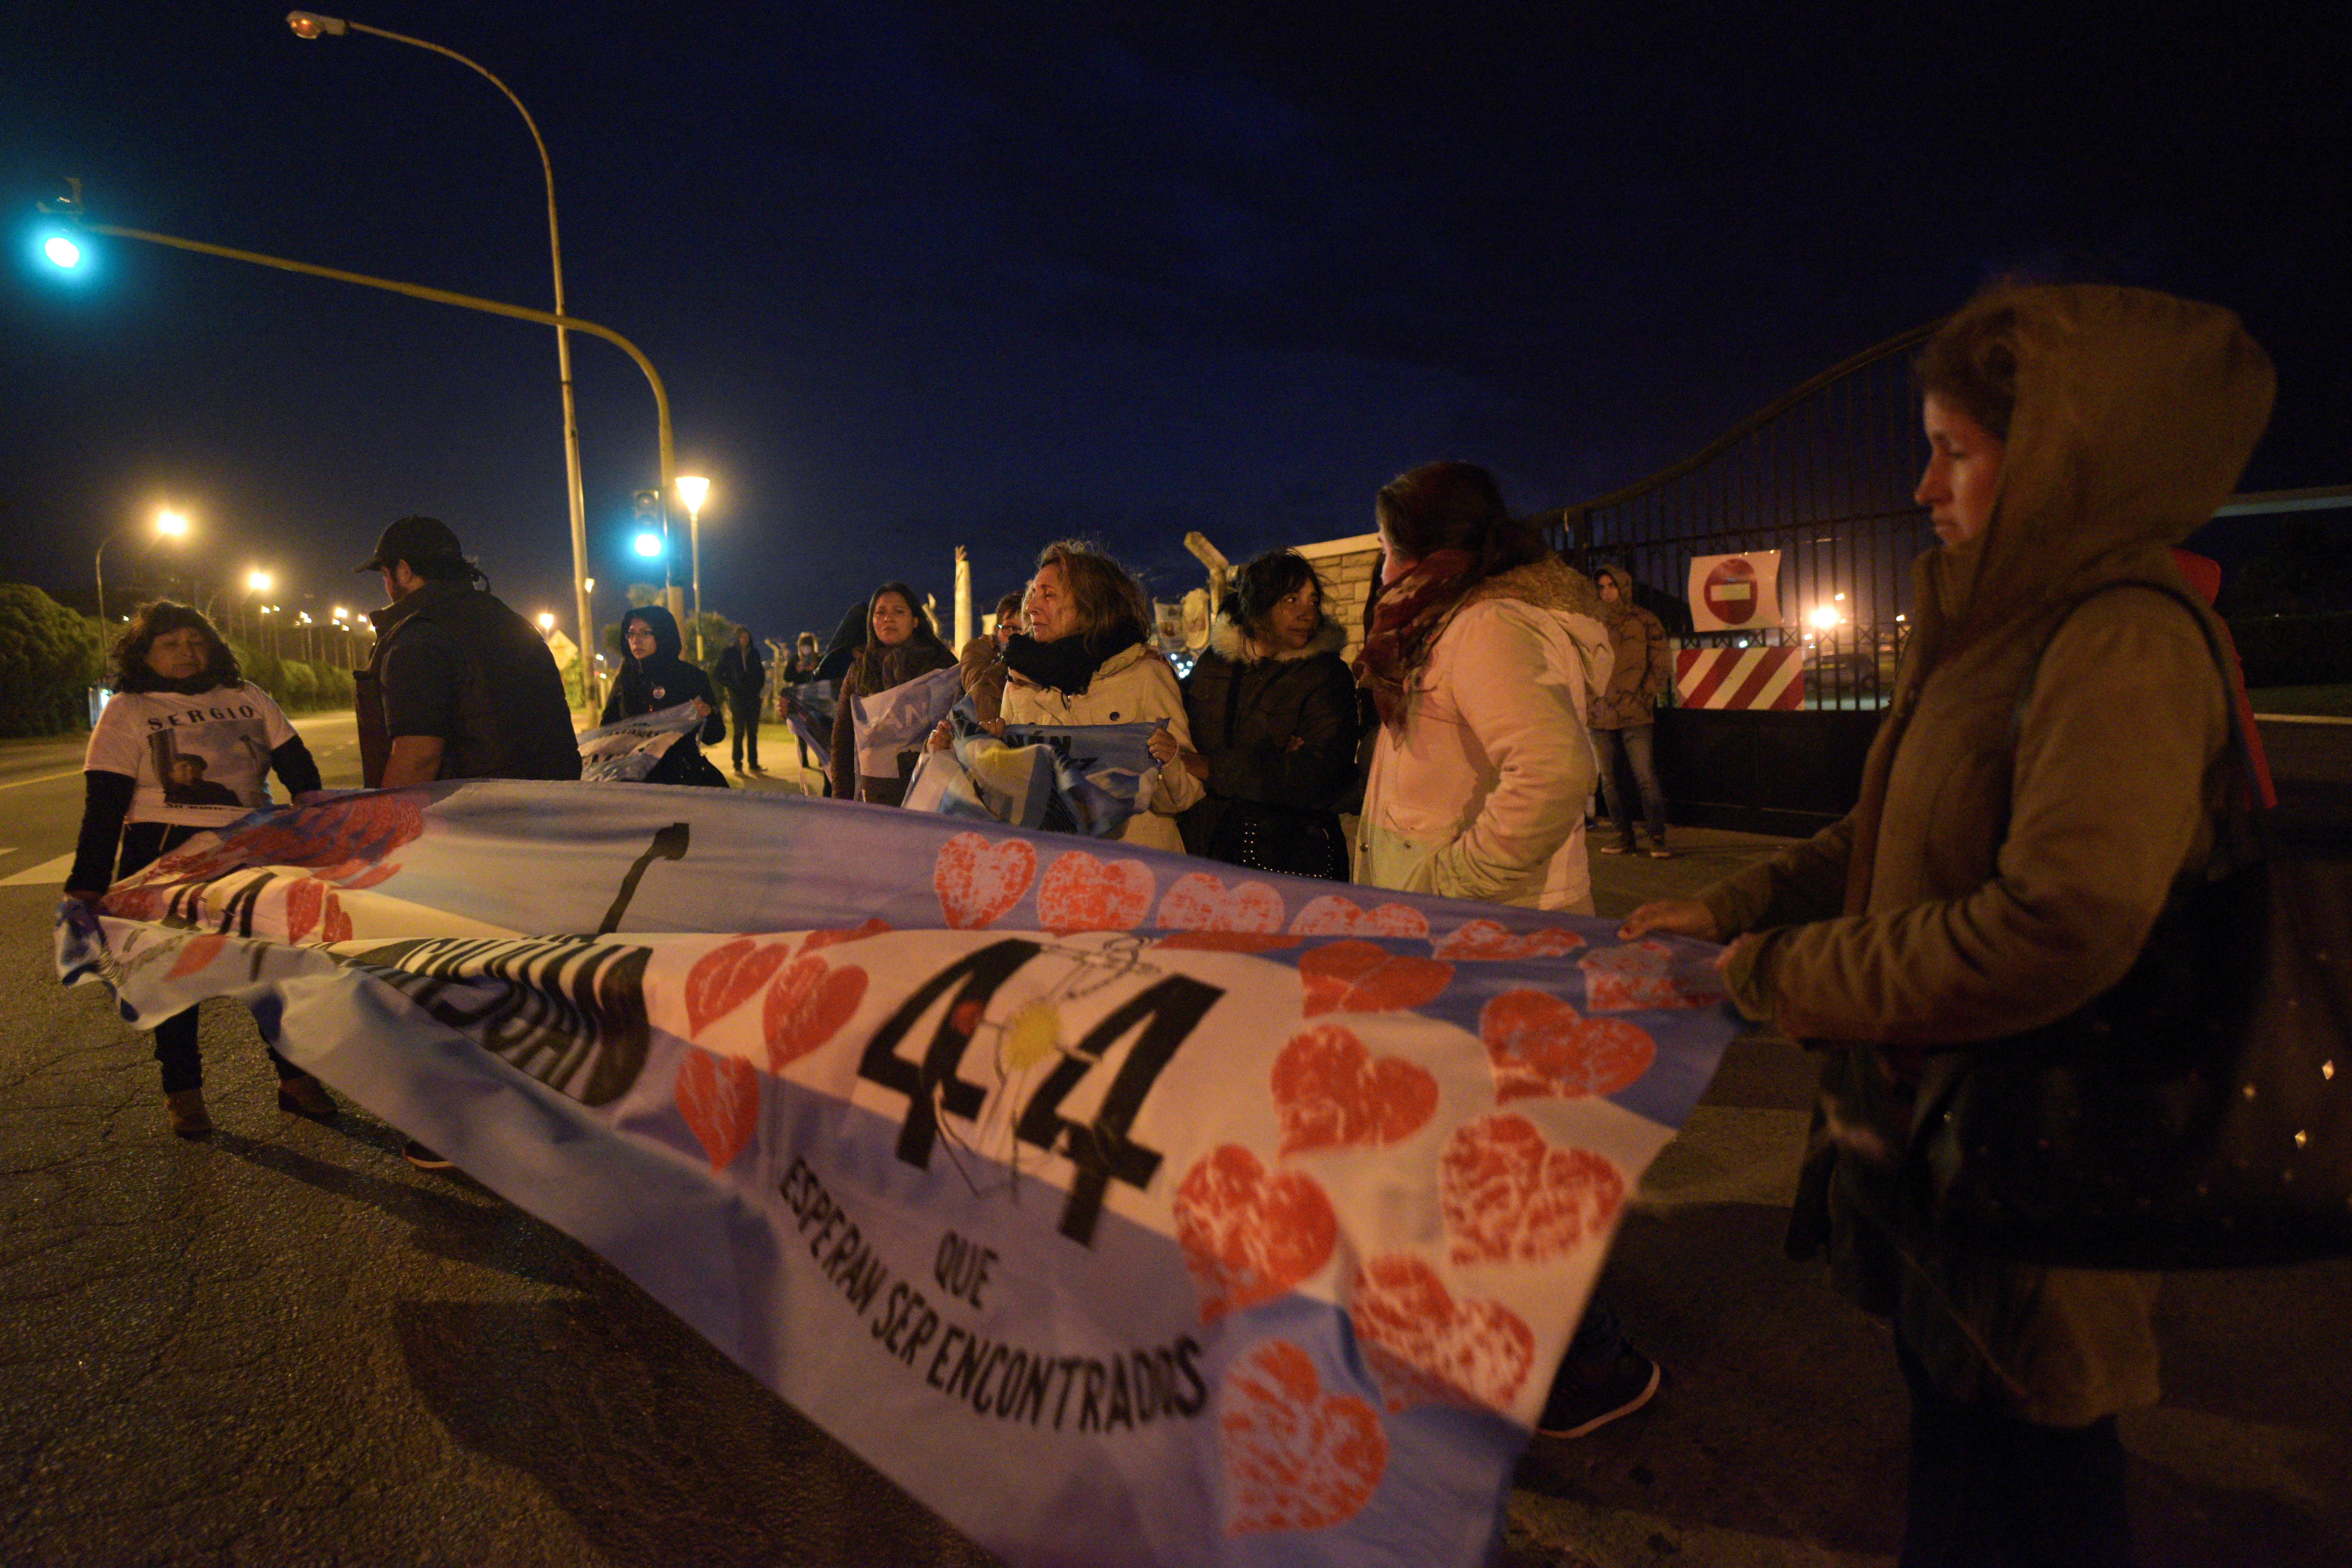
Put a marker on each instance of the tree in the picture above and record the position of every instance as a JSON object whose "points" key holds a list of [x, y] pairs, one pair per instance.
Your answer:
{"points": [[50, 658]]}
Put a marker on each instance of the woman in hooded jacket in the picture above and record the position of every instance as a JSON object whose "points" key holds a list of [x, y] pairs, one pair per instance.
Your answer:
{"points": [[1272, 708], [653, 678], [900, 646], [2051, 770], [1483, 655]]}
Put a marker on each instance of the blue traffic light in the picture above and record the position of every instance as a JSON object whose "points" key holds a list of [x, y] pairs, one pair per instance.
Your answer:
{"points": [[649, 544], [61, 252]]}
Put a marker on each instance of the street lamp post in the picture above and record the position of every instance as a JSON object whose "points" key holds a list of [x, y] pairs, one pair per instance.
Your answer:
{"points": [[666, 449], [691, 488], [307, 25], [169, 524]]}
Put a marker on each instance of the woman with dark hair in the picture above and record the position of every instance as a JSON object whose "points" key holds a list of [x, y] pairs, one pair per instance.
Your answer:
{"points": [[653, 677], [2052, 769], [185, 746], [900, 646], [1087, 659], [1272, 707], [1482, 654], [743, 675]]}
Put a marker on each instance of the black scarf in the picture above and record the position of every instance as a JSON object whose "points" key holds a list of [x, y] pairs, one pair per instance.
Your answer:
{"points": [[1068, 665]]}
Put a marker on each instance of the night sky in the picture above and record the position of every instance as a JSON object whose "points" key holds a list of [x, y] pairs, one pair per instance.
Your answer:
{"points": [[923, 276]]}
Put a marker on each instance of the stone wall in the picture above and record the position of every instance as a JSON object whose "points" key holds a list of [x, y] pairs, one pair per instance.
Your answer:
{"points": [[1348, 568]]}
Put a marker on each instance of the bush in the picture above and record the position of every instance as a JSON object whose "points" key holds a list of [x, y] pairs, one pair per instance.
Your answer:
{"points": [[298, 686], [49, 658]]}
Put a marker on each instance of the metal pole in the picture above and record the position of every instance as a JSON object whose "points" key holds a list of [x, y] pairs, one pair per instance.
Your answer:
{"points": [[694, 545], [562, 350], [668, 455]]}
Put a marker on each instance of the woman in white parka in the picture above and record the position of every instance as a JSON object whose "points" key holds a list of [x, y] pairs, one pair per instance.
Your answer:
{"points": [[1482, 655]]}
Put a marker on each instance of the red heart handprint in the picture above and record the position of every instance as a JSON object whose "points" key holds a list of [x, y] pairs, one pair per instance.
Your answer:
{"points": [[1330, 1092], [195, 954], [807, 1006], [1539, 1044], [1296, 1458], [873, 925], [1358, 977], [1641, 976], [1425, 1347], [977, 880], [1509, 1196], [719, 1097], [724, 979], [1198, 902], [1082, 893], [1249, 1237], [1484, 940], [1333, 915]]}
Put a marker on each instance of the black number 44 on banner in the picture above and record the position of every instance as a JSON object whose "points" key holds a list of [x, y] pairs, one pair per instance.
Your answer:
{"points": [[1099, 1149]]}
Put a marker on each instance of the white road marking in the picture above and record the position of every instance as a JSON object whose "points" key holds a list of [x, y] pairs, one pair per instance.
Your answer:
{"points": [[52, 872], [20, 783]]}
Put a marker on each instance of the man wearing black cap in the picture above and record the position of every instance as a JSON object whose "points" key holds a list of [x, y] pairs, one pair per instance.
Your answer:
{"points": [[460, 687]]}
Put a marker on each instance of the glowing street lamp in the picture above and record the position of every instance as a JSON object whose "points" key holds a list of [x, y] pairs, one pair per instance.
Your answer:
{"points": [[257, 581], [546, 622], [169, 524], [309, 25], [691, 488]]}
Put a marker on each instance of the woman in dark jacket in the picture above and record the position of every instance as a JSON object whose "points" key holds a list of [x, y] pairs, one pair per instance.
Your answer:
{"points": [[1272, 709], [653, 678], [900, 646], [743, 675]]}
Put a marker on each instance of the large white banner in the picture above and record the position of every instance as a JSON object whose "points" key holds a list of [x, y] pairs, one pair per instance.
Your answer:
{"points": [[1119, 1206]]}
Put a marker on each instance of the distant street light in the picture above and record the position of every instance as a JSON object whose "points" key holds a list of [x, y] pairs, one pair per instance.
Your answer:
{"points": [[257, 581], [546, 622], [169, 524], [310, 25], [691, 488]]}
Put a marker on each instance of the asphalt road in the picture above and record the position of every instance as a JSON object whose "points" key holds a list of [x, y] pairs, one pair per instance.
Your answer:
{"points": [[284, 1345]]}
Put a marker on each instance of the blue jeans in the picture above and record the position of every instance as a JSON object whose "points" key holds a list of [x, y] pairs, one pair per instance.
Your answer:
{"points": [[1634, 741]]}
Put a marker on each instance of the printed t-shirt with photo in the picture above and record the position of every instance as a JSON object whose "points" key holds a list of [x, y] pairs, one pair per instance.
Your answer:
{"points": [[200, 762]]}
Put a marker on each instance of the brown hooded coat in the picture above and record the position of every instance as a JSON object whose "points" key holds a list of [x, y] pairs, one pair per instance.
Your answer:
{"points": [[2011, 848]]}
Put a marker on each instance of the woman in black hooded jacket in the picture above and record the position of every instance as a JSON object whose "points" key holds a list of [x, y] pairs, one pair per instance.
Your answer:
{"points": [[653, 678], [1272, 708]]}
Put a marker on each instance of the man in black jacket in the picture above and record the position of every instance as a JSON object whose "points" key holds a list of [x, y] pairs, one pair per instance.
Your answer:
{"points": [[459, 687]]}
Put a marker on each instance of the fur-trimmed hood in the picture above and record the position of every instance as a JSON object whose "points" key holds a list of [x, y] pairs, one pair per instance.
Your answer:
{"points": [[1229, 640]]}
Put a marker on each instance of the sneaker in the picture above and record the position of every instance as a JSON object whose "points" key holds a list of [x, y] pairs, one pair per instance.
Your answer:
{"points": [[305, 1096], [424, 1159], [186, 1107], [1624, 848], [1660, 852], [1583, 1402]]}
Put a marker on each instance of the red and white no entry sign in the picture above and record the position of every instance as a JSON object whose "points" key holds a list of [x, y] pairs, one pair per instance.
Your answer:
{"points": [[1735, 593]]}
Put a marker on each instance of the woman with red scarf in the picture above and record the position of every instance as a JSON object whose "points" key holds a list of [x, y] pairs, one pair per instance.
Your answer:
{"points": [[1483, 655]]}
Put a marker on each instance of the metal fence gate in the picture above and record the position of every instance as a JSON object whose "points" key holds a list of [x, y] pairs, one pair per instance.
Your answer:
{"points": [[1824, 475]]}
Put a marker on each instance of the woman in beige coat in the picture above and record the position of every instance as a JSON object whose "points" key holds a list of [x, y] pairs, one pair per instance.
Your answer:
{"points": [[2047, 776], [1484, 654], [1087, 659]]}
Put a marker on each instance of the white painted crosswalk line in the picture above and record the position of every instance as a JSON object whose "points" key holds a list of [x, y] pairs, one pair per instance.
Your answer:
{"points": [[52, 872]]}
